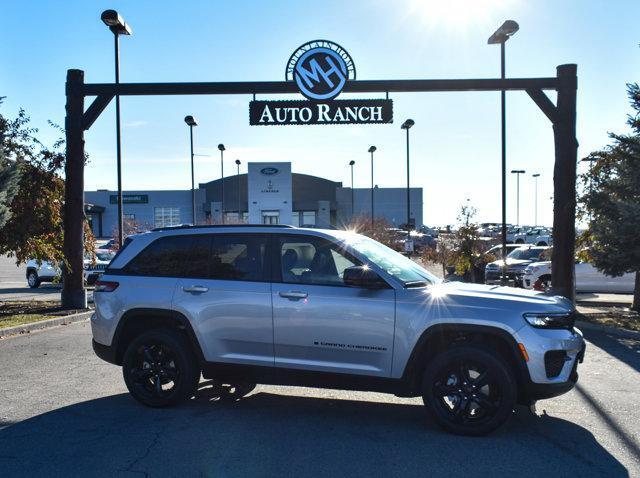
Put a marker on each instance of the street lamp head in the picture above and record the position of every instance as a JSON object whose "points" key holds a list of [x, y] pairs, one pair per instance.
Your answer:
{"points": [[518, 171], [536, 175], [115, 22], [190, 120], [351, 163], [372, 149], [504, 32], [408, 124], [238, 162], [221, 147]]}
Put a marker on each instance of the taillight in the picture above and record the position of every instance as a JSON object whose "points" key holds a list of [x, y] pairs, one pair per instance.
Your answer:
{"points": [[106, 286]]}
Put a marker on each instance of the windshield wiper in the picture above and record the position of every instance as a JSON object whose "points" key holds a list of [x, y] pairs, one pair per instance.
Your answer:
{"points": [[415, 283]]}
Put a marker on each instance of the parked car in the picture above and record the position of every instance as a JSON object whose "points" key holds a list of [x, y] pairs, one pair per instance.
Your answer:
{"points": [[517, 260], [531, 235], [420, 241], [431, 231], [44, 271], [588, 279], [544, 240], [496, 251], [309, 307]]}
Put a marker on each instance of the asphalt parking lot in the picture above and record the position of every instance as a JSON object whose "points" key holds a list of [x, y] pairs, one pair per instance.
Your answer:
{"points": [[63, 412]]}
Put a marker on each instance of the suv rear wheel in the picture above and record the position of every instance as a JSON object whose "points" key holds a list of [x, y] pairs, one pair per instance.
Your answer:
{"points": [[468, 390], [160, 369]]}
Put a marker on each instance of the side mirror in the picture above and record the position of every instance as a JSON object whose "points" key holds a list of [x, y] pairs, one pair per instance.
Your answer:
{"points": [[362, 276]]}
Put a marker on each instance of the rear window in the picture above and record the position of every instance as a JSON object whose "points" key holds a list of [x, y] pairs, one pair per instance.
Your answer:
{"points": [[239, 257], [173, 256]]}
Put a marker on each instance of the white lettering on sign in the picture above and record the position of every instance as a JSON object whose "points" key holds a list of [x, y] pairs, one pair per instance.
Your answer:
{"points": [[266, 115], [333, 112]]}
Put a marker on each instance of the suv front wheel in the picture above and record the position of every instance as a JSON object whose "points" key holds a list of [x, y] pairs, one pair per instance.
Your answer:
{"points": [[469, 391], [160, 369]]}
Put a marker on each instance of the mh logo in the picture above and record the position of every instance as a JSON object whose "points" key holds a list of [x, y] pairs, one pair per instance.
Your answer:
{"points": [[320, 69]]}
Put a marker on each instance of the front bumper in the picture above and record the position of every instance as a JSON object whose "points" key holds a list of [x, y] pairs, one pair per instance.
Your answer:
{"points": [[541, 391], [493, 277], [543, 382], [105, 352]]}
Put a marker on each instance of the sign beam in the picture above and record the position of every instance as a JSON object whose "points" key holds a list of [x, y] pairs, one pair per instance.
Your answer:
{"points": [[354, 86]]}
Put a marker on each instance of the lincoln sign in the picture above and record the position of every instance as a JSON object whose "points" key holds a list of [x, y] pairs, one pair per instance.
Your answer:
{"points": [[320, 69]]}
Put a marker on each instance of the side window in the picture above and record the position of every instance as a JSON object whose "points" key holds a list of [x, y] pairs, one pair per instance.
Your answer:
{"points": [[239, 258], [313, 260], [173, 256]]}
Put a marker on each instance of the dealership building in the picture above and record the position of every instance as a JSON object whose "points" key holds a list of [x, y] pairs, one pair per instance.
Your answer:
{"points": [[269, 193]]}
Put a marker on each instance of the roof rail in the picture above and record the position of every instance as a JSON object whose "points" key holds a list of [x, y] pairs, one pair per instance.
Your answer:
{"points": [[215, 226]]}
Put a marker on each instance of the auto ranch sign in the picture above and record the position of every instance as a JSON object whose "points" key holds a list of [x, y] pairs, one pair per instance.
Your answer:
{"points": [[320, 69]]}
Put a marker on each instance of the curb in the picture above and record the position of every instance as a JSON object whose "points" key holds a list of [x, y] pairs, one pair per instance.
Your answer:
{"points": [[620, 332], [588, 303], [45, 324]]}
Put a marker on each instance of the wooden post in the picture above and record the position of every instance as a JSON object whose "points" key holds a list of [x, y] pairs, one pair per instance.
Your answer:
{"points": [[564, 184], [74, 295]]}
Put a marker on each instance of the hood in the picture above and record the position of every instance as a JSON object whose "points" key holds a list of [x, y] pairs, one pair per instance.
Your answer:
{"points": [[510, 263], [480, 296]]}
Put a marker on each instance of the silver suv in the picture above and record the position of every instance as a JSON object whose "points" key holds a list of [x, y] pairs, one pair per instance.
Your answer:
{"points": [[334, 309]]}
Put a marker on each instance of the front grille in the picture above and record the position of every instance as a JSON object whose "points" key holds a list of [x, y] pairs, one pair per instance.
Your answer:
{"points": [[97, 267], [554, 361]]}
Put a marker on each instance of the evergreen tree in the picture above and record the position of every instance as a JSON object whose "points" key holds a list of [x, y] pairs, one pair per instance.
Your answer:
{"points": [[9, 170], [612, 202]]}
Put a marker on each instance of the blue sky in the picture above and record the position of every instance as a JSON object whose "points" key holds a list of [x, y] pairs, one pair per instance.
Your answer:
{"points": [[455, 142]]}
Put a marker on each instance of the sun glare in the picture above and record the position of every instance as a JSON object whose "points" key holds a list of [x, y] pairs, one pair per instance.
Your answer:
{"points": [[454, 14]]}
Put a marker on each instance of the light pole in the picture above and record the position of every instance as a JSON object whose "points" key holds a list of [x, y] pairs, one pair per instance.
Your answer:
{"points": [[372, 149], [118, 27], [238, 181], [501, 35], [191, 122], [535, 177], [351, 163], [518, 172], [222, 149], [407, 126]]}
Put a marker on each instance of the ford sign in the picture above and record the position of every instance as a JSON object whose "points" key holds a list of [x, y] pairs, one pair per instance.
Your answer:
{"points": [[269, 171]]}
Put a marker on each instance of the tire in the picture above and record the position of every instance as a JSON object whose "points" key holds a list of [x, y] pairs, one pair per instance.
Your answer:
{"points": [[160, 369], [33, 280], [468, 390], [545, 282], [541, 243], [519, 241]]}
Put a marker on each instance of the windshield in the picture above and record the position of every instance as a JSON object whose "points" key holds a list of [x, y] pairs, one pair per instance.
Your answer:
{"points": [[105, 255], [392, 262], [525, 254]]}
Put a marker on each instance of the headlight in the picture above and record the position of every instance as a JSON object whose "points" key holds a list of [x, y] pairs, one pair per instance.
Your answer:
{"points": [[551, 320], [531, 270]]}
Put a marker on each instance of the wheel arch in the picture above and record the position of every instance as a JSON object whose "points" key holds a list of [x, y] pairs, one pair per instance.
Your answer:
{"points": [[135, 321], [438, 338]]}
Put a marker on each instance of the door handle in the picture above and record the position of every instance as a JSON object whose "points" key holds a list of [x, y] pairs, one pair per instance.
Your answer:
{"points": [[195, 289], [294, 295]]}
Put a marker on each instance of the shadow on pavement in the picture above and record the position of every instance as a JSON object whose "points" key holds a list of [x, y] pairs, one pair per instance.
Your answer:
{"points": [[624, 349], [267, 434]]}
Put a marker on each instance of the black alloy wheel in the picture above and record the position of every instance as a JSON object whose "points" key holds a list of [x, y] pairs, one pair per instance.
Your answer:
{"points": [[469, 391], [160, 369]]}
